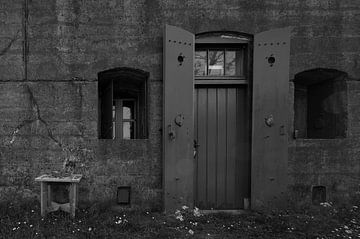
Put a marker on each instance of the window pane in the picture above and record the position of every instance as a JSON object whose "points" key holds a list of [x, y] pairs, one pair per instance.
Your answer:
{"points": [[128, 130], [113, 121], [128, 109], [216, 63], [200, 63], [113, 130], [233, 63]]}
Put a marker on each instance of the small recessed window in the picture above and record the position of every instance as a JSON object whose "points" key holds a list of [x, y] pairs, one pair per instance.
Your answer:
{"points": [[123, 104], [320, 104]]}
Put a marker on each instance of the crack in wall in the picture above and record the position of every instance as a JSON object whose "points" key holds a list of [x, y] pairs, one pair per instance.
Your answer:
{"points": [[73, 154], [36, 110], [11, 42], [25, 35]]}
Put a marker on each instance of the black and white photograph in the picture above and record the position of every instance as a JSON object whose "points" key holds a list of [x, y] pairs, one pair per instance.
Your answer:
{"points": [[179, 119]]}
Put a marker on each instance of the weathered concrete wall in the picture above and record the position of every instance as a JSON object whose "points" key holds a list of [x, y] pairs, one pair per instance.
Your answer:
{"points": [[51, 52], [333, 163]]}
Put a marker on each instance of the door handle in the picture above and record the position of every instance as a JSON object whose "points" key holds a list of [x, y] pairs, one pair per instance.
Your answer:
{"points": [[196, 146]]}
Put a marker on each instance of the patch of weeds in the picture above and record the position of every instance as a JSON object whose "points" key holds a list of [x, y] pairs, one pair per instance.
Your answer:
{"points": [[23, 220]]}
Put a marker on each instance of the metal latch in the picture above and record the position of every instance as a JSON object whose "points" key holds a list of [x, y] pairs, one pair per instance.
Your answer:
{"points": [[196, 146], [171, 132]]}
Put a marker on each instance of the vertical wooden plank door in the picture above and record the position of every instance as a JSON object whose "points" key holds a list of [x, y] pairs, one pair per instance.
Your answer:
{"points": [[222, 178]]}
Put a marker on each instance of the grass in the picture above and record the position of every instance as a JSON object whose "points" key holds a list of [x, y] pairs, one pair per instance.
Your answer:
{"points": [[23, 220]]}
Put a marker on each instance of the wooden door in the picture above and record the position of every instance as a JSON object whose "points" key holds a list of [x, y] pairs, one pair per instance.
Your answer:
{"points": [[222, 178]]}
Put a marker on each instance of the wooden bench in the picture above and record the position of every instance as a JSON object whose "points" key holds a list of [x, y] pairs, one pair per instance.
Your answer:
{"points": [[47, 205]]}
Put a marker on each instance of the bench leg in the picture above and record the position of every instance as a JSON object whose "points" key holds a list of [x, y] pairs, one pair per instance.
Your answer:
{"points": [[49, 196], [43, 198], [73, 198]]}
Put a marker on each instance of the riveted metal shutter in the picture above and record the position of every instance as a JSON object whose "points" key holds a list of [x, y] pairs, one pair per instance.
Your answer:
{"points": [[178, 117], [270, 117]]}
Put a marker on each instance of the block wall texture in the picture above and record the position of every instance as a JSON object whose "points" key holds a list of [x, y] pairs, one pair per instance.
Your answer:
{"points": [[51, 52]]}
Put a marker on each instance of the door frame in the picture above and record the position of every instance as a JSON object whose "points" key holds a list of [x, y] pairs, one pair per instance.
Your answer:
{"points": [[268, 89], [220, 39]]}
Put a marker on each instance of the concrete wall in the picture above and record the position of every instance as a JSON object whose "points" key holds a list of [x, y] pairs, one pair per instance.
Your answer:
{"points": [[51, 52], [333, 163]]}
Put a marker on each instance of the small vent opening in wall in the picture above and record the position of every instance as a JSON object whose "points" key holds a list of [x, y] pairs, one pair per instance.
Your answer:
{"points": [[318, 194], [123, 195]]}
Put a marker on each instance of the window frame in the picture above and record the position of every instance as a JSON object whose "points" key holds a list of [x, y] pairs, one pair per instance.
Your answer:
{"points": [[311, 90], [225, 79], [119, 118], [133, 84]]}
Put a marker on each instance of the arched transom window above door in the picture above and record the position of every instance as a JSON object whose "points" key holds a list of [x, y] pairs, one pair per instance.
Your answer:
{"points": [[222, 56]]}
